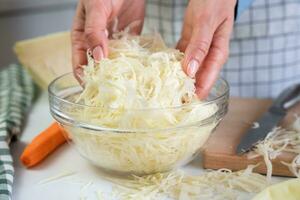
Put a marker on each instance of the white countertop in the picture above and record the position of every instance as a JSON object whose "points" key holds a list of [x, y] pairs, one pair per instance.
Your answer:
{"points": [[26, 185]]}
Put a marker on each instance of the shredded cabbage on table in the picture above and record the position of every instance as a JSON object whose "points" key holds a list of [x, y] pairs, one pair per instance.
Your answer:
{"points": [[213, 185], [280, 140]]}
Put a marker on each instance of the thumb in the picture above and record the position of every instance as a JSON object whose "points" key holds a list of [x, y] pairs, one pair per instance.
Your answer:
{"points": [[95, 29], [197, 48]]}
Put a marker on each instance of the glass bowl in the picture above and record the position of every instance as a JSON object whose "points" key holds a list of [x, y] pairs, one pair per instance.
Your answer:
{"points": [[162, 138]]}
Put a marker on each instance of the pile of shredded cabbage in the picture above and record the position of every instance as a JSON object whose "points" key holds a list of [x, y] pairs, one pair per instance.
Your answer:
{"points": [[141, 88], [137, 74], [136, 86], [277, 141], [221, 184]]}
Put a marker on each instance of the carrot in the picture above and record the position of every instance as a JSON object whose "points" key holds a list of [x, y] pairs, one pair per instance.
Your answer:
{"points": [[43, 145]]}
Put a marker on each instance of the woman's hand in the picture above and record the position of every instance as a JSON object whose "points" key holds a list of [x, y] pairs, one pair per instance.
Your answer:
{"points": [[93, 22], [205, 40]]}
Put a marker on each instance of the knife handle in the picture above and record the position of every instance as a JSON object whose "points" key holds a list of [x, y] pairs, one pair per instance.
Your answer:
{"points": [[289, 97]]}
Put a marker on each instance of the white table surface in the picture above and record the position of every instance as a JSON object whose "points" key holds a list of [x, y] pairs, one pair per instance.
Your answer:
{"points": [[26, 183]]}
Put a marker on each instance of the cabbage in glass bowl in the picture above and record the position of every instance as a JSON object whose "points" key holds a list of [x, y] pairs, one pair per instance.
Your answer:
{"points": [[136, 141]]}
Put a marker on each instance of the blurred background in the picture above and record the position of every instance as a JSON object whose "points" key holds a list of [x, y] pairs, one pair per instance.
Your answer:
{"points": [[23, 19]]}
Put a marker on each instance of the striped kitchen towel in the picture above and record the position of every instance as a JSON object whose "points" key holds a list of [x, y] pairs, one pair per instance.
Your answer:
{"points": [[16, 95]]}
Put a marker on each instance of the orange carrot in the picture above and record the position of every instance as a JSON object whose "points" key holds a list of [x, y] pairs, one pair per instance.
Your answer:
{"points": [[42, 145]]}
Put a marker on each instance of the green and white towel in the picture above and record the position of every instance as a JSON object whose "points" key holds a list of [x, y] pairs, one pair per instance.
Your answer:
{"points": [[16, 95]]}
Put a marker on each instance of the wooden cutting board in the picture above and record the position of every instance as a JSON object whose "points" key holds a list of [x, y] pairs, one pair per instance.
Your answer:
{"points": [[220, 149]]}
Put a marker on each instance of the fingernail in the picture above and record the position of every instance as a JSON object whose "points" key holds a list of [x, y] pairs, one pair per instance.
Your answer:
{"points": [[192, 68], [98, 53], [106, 32]]}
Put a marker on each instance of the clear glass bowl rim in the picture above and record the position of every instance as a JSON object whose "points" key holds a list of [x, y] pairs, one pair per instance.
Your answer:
{"points": [[206, 102]]}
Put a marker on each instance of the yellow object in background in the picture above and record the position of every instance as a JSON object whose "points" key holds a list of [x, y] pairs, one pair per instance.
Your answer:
{"points": [[287, 190], [45, 57]]}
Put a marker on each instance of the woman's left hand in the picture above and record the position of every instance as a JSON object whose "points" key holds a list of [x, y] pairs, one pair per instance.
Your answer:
{"points": [[205, 40]]}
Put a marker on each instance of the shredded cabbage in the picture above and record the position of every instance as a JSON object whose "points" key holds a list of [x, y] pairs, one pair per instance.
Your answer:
{"points": [[141, 153], [61, 175], [221, 184], [137, 84], [294, 166], [142, 89], [84, 189], [277, 141]]}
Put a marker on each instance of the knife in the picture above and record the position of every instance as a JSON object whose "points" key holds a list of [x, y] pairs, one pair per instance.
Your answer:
{"points": [[286, 99]]}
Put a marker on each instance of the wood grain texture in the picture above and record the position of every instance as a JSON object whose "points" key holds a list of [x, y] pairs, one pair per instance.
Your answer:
{"points": [[220, 149]]}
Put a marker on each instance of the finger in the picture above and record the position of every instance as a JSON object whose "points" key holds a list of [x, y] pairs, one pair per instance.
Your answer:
{"points": [[78, 59], [135, 27], [132, 16], [98, 13], [186, 34], [78, 43], [182, 44], [197, 47], [215, 59]]}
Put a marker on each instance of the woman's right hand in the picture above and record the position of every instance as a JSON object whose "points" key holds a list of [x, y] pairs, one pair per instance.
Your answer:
{"points": [[94, 21]]}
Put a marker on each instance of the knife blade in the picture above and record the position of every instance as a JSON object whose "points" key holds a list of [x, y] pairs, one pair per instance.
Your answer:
{"points": [[270, 119]]}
